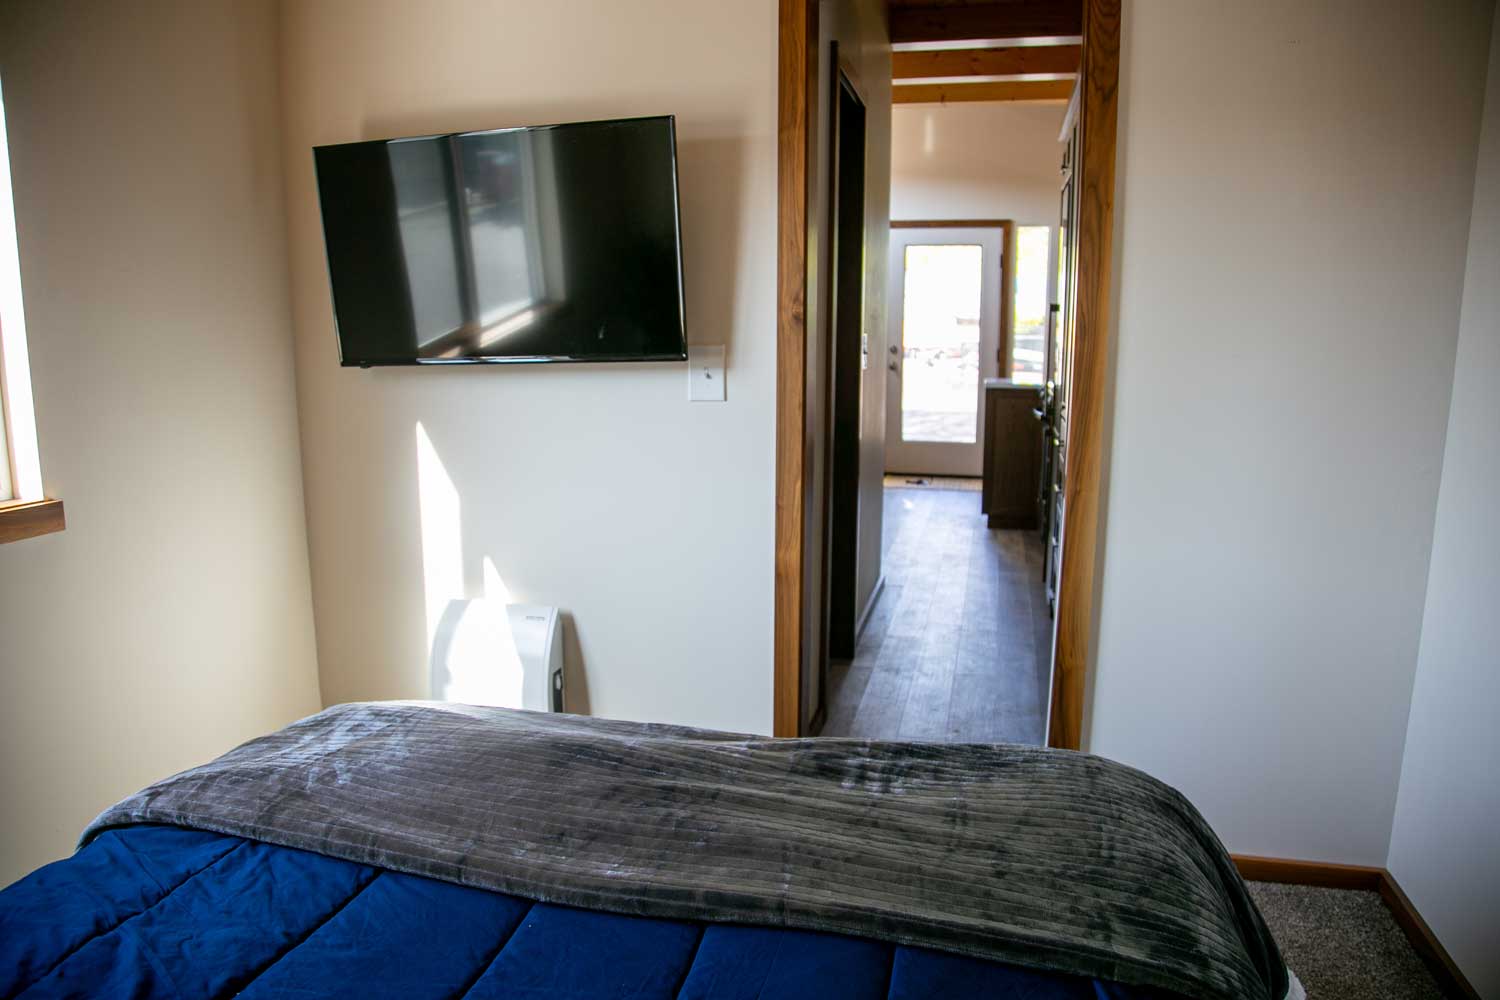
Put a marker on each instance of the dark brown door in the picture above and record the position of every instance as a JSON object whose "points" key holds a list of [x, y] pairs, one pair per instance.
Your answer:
{"points": [[846, 367]]}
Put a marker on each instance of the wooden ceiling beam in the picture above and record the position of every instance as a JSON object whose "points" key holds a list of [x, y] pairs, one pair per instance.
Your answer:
{"points": [[1006, 19], [1013, 61], [1014, 90]]}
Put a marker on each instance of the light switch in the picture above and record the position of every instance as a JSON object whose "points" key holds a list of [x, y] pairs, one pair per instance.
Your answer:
{"points": [[706, 373]]}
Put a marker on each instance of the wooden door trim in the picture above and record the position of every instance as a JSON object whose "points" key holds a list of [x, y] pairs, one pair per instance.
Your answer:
{"points": [[948, 223], [1077, 591], [796, 110], [1007, 229]]}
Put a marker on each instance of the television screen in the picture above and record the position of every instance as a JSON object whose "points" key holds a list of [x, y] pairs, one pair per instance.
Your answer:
{"points": [[556, 243]]}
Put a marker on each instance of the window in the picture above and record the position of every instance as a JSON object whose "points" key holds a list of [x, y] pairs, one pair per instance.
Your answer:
{"points": [[24, 510], [940, 335], [1028, 343], [5, 488]]}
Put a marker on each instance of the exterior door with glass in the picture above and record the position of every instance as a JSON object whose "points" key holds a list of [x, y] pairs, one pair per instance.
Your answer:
{"points": [[944, 342]]}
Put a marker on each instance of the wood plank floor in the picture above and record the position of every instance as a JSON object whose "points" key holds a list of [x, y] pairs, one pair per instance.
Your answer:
{"points": [[957, 647]]}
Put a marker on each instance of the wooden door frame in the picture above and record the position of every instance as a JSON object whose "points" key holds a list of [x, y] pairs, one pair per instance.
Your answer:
{"points": [[1078, 577], [1077, 598], [796, 108]]}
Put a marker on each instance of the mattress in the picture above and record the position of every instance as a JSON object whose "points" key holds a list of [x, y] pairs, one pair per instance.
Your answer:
{"points": [[162, 911]]}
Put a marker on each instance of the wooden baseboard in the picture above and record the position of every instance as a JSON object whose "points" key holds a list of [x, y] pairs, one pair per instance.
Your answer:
{"points": [[1425, 943], [1333, 876], [1319, 873]]}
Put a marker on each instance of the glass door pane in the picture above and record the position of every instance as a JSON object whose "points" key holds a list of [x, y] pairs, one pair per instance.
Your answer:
{"points": [[1028, 346], [940, 343]]}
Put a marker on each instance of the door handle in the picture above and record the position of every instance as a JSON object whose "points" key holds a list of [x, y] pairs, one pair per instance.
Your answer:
{"points": [[895, 369]]}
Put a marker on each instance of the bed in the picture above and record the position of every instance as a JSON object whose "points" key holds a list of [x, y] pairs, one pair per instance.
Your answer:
{"points": [[426, 850]]}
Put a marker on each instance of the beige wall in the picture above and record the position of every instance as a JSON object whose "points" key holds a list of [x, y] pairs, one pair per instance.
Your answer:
{"points": [[1296, 188], [859, 27], [976, 161], [1444, 845], [171, 620], [598, 489]]}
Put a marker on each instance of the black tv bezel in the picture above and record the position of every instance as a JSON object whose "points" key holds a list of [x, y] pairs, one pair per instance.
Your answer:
{"points": [[566, 359]]}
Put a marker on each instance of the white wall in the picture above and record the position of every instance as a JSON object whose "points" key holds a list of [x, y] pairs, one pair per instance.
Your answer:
{"points": [[598, 489], [171, 620], [1445, 848], [1296, 189], [976, 161]]}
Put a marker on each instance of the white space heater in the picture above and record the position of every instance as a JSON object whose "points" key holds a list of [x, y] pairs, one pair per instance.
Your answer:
{"points": [[508, 655]]}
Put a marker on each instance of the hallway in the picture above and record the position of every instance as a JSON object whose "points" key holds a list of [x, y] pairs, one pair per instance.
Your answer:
{"points": [[958, 645]]}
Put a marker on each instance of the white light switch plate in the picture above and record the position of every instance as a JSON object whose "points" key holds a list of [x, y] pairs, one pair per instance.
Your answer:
{"points": [[706, 373]]}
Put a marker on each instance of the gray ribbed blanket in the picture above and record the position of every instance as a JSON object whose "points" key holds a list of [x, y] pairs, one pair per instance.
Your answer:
{"points": [[1039, 858]]}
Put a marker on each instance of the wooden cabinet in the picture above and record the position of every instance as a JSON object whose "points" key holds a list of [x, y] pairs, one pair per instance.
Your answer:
{"points": [[1060, 363], [1012, 453]]}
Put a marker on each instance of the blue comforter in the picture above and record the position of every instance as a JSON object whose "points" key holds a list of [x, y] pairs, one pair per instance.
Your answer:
{"points": [[159, 911]]}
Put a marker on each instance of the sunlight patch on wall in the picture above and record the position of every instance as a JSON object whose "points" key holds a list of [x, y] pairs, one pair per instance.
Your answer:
{"points": [[494, 584], [442, 534], [473, 652]]}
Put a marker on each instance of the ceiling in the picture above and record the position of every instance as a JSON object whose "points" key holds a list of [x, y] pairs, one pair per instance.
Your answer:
{"points": [[984, 50]]}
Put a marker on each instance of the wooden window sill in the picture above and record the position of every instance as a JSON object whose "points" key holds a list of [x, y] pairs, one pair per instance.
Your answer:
{"points": [[27, 520]]}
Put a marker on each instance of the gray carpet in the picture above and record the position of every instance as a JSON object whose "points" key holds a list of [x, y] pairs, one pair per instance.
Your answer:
{"points": [[1342, 944]]}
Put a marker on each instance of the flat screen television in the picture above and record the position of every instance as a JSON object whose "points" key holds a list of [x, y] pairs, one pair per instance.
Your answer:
{"points": [[552, 243]]}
